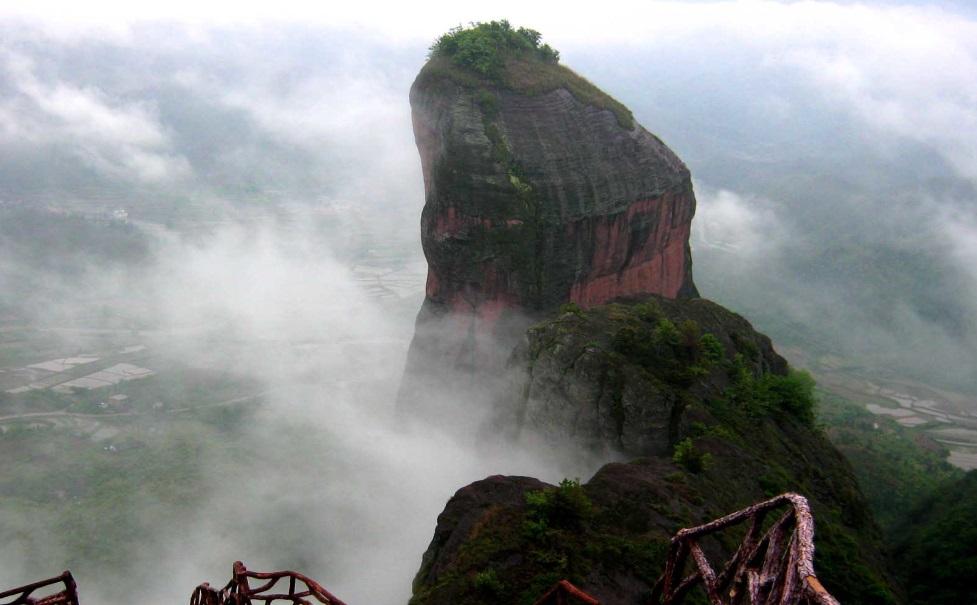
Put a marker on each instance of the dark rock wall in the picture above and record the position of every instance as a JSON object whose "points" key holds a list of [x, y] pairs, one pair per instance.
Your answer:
{"points": [[616, 551], [573, 382], [532, 201], [545, 200], [580, 391], [616, 204]]}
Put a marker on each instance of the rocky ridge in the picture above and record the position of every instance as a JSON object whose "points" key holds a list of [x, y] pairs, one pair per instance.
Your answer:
{"points": [[712, 421], [539, 190], [547, 204]]}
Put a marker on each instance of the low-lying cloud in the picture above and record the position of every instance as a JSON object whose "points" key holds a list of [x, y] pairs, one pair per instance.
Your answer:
{"points": [[322, 476], [834, 151], [886, 305], [118, 139]]}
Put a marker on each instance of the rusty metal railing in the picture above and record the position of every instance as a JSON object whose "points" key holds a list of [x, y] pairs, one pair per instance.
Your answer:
{"points": [[565, 593], [301, 590], [775, 566], [24, 595]]}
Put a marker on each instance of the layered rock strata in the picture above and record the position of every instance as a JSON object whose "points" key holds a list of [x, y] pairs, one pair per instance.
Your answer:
{"points": [[534, 198]]}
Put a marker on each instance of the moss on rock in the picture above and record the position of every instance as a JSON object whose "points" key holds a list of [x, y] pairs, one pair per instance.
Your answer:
{"points": [[725, 439], [494, 55]]}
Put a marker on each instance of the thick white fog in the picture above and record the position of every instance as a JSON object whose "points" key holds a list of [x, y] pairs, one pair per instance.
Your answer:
{"points": [[272, 192], [323, 475]]}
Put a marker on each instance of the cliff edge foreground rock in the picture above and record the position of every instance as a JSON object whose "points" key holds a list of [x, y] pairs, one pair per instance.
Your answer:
{"points": [[710, 419]]}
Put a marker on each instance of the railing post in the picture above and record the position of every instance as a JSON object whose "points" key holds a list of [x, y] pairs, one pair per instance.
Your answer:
{"points": [[776, 567]]}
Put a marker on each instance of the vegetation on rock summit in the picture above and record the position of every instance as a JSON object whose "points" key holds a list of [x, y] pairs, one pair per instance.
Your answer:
{"points": [[484, 47], [497, 55]]}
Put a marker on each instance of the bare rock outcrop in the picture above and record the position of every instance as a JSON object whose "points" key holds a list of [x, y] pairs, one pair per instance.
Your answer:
{"points": [[616, 380], [539, 190]]}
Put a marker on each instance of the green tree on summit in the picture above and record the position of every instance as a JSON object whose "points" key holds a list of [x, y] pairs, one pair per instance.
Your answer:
{"points": [[484, 47]]}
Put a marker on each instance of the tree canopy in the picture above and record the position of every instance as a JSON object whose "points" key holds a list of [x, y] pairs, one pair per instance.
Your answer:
{"points": [[484, 47]]}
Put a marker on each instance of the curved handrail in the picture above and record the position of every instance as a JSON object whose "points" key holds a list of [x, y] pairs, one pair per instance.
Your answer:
{"points": [[239, 591], [23, 594], [565, 593], [770, 567], [776, 566]]}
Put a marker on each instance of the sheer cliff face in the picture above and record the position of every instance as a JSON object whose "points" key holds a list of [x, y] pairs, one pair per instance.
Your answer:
{"points": [[534, 200], [609, 381]]}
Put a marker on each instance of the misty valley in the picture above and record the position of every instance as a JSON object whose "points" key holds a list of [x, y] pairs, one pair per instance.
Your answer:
{"points": [[121, 422], [417, 317]]}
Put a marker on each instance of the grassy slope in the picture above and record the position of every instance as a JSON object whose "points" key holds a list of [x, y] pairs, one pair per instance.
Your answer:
{"points": [[938, 547], [897, 468]]}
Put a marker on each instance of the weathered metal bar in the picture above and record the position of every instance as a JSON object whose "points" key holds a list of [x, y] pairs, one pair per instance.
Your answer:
{"points": [[565, 593], [745, 551], [777, 568], [789, 589], [708, 576], [239, 591], [23, 594], [740, 515], [771, 560]]}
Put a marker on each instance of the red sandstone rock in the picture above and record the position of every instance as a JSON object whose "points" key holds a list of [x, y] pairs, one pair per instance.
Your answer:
{"points": [[531, 201]]}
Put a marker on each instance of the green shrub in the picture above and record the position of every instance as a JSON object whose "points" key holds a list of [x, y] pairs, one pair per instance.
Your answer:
{"points": [[570, 307], [718, 431], [938, 553], [628, 341], [688, 457], [689, 334], [488, 102], [564, 507], [742, 393], [484, 47], [672, 353], [666, 333], [712, 350], [769, 393], [745, 345], [775, 481], [488, 582], [499, 55], [793, 393], [648, 311]]}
